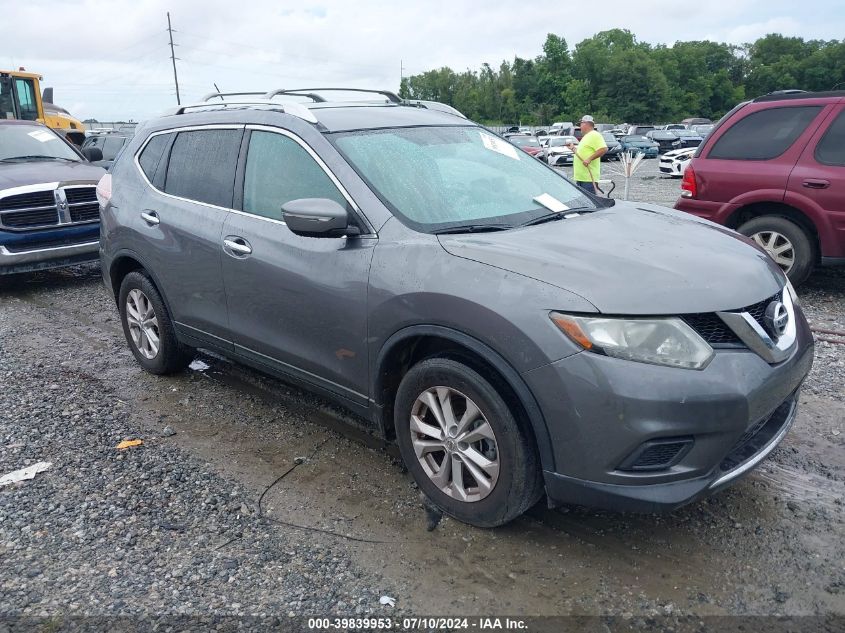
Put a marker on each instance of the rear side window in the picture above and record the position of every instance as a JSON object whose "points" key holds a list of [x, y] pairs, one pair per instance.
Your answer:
{"points": [[151, 156], [202, 166], [279, 170], [831, 149], [765, 134]]}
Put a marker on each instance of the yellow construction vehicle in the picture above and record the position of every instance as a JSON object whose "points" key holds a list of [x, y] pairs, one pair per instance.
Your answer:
{"points": [[21, 98]]}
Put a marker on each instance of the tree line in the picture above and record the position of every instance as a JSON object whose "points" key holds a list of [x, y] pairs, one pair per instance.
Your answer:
{"points": [[618, 79]]}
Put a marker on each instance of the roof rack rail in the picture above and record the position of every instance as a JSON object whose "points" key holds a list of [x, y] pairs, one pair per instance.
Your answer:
{"points": [[296, 109], [307, 92]]}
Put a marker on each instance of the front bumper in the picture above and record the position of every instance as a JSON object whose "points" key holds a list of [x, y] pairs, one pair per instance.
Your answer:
{"points": [[39, 250], [600, 411]]}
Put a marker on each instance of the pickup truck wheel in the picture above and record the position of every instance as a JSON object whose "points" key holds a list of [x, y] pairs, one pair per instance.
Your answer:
{"points": [[463, 445], [148, 328], [785, 242]]}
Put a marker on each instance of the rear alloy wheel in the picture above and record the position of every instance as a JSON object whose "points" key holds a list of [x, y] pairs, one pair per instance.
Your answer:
{"points": [[148, 328], [463, 445], [785, 242]]}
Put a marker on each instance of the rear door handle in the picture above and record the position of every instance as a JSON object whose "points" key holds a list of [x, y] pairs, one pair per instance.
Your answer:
{"points": [[236, 246], [813, 183], [150, 217]]}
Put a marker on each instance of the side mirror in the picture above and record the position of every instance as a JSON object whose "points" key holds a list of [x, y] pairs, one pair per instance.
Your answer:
{"points": [[317, 217], [92, 154]]}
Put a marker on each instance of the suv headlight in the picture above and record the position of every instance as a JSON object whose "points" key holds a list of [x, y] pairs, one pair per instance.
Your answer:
{"points": [[668, 341]]}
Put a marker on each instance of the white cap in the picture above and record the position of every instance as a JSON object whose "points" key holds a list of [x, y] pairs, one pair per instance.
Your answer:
{"points": [[587, 119]]}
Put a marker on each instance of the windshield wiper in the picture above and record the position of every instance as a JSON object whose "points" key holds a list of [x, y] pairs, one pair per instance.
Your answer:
{"points": [[34, 156], [557, 215], [472, 228]]}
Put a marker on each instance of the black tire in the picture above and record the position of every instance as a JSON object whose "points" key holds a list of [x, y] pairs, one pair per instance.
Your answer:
{"points": [[172, 356], [801, 244], [519, 483]]}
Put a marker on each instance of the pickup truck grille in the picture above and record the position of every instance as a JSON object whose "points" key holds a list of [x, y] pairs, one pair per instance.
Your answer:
{"points": [[41, 209]]}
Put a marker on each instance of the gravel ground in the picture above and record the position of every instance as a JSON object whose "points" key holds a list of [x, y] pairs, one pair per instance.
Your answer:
{"points": [[173, 526]]}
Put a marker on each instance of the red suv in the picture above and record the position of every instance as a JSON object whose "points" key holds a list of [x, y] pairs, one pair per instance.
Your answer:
{"points": [[774, 170]]}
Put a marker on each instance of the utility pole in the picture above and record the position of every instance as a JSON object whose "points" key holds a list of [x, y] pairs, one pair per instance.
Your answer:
{"points": [[173, 59]]}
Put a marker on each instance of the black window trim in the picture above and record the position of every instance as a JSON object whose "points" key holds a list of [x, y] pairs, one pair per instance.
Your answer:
{"points": [[368, 230], [819, 107], [835, 119], [175, 131]]}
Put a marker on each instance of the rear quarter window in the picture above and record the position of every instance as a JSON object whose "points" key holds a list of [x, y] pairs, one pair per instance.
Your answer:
{"points": [[765, 134], [202, 166], [150, 156], [831, 149]]}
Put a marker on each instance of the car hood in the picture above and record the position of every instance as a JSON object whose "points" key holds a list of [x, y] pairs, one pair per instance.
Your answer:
{"points": [[47, 171], [680, 153], [633, 259]]}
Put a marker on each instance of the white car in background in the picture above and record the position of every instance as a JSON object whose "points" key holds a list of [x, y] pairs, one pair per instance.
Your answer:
{"points": [[674, 162], [557, 152]]}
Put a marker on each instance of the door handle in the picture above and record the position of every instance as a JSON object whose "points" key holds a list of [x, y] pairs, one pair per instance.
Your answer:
{"points": [[150, 217], [813, 183], [237, 246]]}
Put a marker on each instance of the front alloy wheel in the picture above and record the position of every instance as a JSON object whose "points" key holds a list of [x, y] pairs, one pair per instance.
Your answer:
{"points": [[454, 444], [464, 442]]}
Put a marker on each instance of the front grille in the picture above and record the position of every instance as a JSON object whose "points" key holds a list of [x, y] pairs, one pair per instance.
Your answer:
{"points": [[77, 195], [758, 435], [38, 208], [85, 212], [31, 200], [25, 219], [658, 454], [713, 330]]}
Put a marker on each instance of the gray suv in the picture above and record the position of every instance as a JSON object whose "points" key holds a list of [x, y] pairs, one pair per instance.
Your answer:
{"points": [[514, 335]]}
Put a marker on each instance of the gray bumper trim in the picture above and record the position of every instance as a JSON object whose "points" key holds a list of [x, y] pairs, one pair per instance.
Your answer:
{"points": [[46, 254]]}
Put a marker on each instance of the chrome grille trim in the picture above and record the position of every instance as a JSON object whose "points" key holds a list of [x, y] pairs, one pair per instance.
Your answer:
{"points": [[62, 207]]}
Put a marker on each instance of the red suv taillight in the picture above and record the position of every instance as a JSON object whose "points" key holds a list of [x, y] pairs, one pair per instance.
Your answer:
{"points": [[104, 190], [689, 187]]}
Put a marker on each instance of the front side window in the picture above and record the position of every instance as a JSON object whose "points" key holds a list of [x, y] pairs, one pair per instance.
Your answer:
{"points": [[33, 141], [831, 149], [436, 177], [26, 99], [202, 166], [765, 134], [278, 170]]}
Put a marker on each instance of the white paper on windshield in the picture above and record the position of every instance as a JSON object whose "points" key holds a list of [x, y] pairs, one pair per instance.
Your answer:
{"points": [[498, 145], [42, 135], [551, 203]]}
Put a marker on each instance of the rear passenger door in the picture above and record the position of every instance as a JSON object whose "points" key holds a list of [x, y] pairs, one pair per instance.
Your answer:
{"points": [[296, 304], [193, 173], [819, 177]]}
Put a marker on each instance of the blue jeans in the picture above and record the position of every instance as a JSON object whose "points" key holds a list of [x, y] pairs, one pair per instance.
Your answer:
{"points": [[587, 186]]}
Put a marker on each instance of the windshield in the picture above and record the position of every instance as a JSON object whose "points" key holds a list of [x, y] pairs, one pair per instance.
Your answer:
{"points": [[562, 141], [437, 177], [702, 129], [22, 142], [635, 139], [608, 137], [522, 141]]}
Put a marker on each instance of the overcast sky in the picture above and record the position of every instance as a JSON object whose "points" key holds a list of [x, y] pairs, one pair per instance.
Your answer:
{"points": [[110, 59]]}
